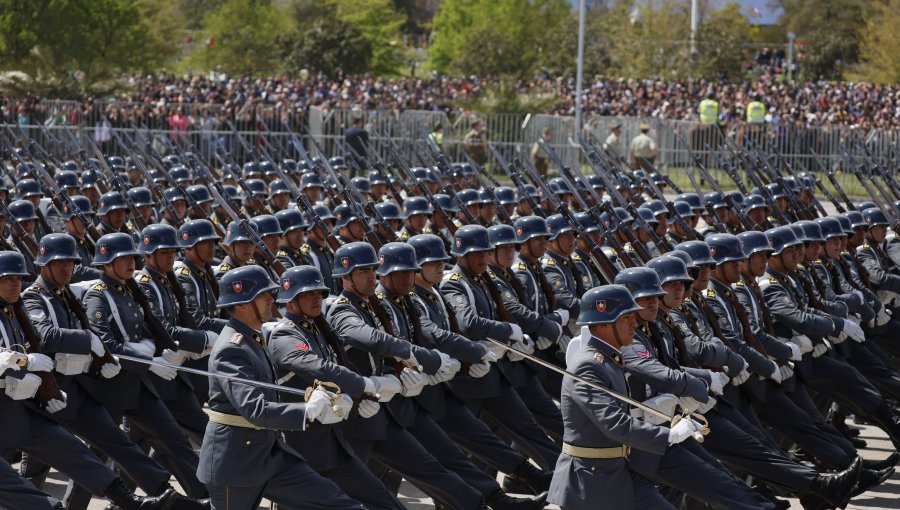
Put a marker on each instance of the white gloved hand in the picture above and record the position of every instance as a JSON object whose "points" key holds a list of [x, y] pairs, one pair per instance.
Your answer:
{"points": [[21, 389], [853, 331], [449, 368], [786, 372], [820, 349], [803, 342], [563, 315], [776, 373], [543, 343], [526, 346], [796, 355], [684, 429], [716, 384], [140, 349], [368, 408], [55, 405], [211, 337], [337, 411], [9, 360], [412, 382], [110, 370], [388, 386], [175, 357], [498, 350], [664, 403], [479, 370], [39, 363], [888, 298], [97, 346], [149, 344], [741, 377], [167, 373], [72, 364], [316, 404], [489, 357], [516, 334], [370, 387], [707, 406], [688, 404], [883, 317]]}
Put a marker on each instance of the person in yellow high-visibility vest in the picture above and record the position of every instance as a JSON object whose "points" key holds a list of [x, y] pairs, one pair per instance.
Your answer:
{"points": [[436, 136], [709, 110], [756, 110]]}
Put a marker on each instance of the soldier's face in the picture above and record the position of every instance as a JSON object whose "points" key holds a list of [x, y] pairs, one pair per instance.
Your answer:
{"points": [[205, 250], [242, 250], [264, 303], [357, 231], [10, 288], [123, 267], [280, 201], [271, 242], [757, 262], [730, 272], [116, 218], [663, 225], [401, 282], [674, 294], [504, 255], [310, 304], [488, 211], [650, 305], [565, 243], [164, 260], [61, 271], [294, 238], [363, 280], [757, 216], [832, 247], [878, 233], [28, 225], [432, 272], [703, 277], [477, 261], [790, 257], [537, 246], [625, 327], [812, 250], [417, 222], [859, 233]]}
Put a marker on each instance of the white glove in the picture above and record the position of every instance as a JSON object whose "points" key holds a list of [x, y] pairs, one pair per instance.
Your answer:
{"points": [[21, 389], [786, 372], [489, 357], [338, 411], [741, 377], [688, 404], [563, 315], [449, 368], [803, 342], [370, 387], [888, 298], [664, 403], [413, 382], [175, 357], [72, 364], [140, 349], [820, 349], [796, 355], [388, 386], [776, 372], [479, 370], [110, 370], [211, 337], [543, 343], [684, 429], [526, 346], [368, 408], [707, 406], [883, 317], [54, 405], [148, 343], [860, 296], [716, 383], [97, 345], [498, 350], [853, 331], [167, 373], [9, 360], [516, 334], [318, 401], [39, 363]]}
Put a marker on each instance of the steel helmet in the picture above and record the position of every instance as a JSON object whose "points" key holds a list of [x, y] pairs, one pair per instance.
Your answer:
{"points": [[141, 196], [470, 238], [300, 280], [353, 256], [725, 248], [782, 238], [291, 219], [242, 285], [755, 242], [830, 227], [670, 269], [56, 247], [605, 305], [698, 250], [395, 257], [429, 248], [502, 235], [267, 225], [195, 231], [113, 246], [529, 227], [640, 281], [12, 263], [158, 237]]}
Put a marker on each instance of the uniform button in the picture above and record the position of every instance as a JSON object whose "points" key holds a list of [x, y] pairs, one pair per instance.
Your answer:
{"points": [[135, 314], [593, 468], [247, 443], [129, 305]]}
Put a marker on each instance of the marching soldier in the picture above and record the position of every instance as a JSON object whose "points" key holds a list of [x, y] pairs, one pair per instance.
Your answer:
{"points": [[416, 216], [317, 250], [293, 225], [197, 239], [269, 230], [238, 246], [563, 275], [112, 212]]}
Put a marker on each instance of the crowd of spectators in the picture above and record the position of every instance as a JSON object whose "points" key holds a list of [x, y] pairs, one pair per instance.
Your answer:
{"points": [[177, 102]]}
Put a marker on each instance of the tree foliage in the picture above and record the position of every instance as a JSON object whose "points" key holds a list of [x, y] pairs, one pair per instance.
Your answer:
{"points": [[244, 34], [879, 56], [326, 46], [830, 32]]}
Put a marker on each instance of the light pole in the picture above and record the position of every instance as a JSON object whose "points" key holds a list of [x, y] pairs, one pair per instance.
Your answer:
{"points": [[579, 72], [790, 56]]}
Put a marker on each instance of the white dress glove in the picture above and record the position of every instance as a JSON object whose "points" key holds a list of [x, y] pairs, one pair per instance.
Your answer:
{"points": [[21, 389], [39, 363], [803, 342], [54, 405], [820, 349], [489, 357], [853, 331], [388, 386], [479, 370], [368, 408], [707, 406], [526, 346], [776, 376], [175, 357], [664, 403], [786, 372], [515, 334], [563, 315], [741, 377], [338, 411], [167, 373], [796, 354], [318, 401], [688, 404], [883, 317], [110, 370], [72, 364], [716, 383], [211, 337], [449, 368], [412, 382], [97, 346], [498, 350], [141, 349], [684, 429], [9, 360]]}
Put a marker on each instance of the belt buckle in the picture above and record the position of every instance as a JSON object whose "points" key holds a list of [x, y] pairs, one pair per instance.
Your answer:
{"points": [[626, 450]]}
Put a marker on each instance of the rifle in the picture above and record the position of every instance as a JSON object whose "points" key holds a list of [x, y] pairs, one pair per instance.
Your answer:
{"points": [[516, 178], [117, 184], [404, 168]]}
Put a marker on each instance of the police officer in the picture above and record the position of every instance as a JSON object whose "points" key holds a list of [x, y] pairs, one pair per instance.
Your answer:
{"points": [[244, 459], [359, 318], [709, 110], [116, 315], [756, 110]]}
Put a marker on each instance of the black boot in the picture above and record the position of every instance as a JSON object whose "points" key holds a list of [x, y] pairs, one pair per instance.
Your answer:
{"points": [[878, 465], [535, 478], [499, 500], [869, 478], [889, 422], [837, 489], [119, 495], [186, 503]]}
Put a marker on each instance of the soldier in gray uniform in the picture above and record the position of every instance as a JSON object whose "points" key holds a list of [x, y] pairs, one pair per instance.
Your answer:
{"points": [[25, 428], [269, 230], [293, 225], [600, 433], [563, 275], [118, 319], [582, 259], [304, 349], [25, 213], [113, 211], [74, 227], [244, 457], [239, 248], [416, 216], [317, 251], [361, 321]]}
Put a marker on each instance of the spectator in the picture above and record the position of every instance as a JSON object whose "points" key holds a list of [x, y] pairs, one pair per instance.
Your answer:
{"points": [[476, 147], [358, 139], [643, 152]]}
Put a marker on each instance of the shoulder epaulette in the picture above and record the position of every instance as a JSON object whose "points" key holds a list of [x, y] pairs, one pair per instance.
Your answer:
{"points": [[144, 278], [342, 301], [35, 288], [523, 266], [101, 286], [185, 271], [380, 295], [740, 283], [710, 293], [282, 253], [550, 261], [773, 280], [866, 245], [817, 261], [224, 266], [236, 338], [304, 248], [455, 277], [492, 274], [428, 230], [576, 256]]}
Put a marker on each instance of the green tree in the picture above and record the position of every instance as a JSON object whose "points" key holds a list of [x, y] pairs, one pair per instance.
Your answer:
{"points": [[831, 32], [380, 24], [722, 42], [326, 46], [245, 35], [879, 56]]}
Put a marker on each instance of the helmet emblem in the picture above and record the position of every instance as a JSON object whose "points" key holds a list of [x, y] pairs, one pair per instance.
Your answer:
{"points": [[712, 251], [103, 249], [458, 242], [228, 233], [869, 219], [43, 249], [339, 216], [237, 286], [519, 231], [286, 284], [185, 236], [345, 261], [601, 305], [381, 259], [146, 239], [102, 204]]}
